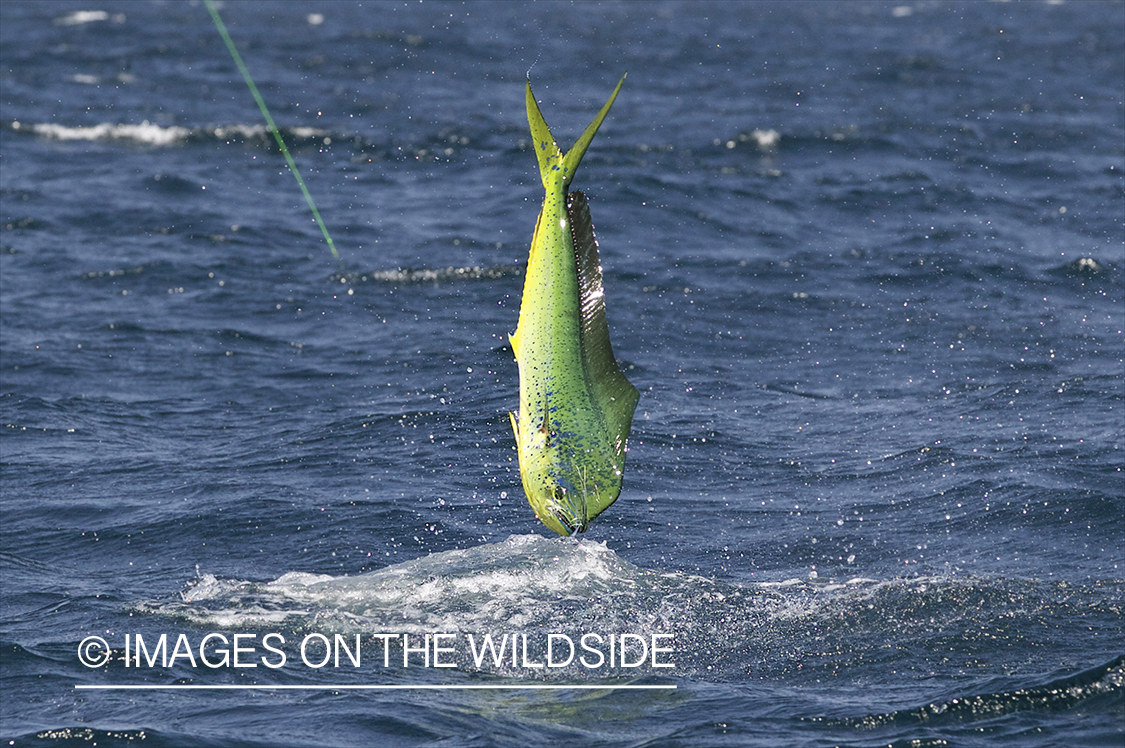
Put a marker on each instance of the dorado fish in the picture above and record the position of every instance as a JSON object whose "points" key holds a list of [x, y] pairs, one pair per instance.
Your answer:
{"points": [[576, 407]]}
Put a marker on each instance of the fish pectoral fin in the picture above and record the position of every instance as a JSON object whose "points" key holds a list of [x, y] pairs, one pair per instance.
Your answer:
{"points": [[545, 426], [514, 415]]}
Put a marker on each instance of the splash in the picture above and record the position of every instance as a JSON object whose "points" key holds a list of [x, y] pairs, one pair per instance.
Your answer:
{"points": [[787, 629], [429, 275]]}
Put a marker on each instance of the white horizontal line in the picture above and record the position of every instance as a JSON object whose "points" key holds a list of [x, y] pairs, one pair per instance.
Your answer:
{"points": [[423, 687]]}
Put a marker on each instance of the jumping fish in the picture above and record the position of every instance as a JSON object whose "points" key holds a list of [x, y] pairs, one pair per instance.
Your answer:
{"points": [[576, 407]]}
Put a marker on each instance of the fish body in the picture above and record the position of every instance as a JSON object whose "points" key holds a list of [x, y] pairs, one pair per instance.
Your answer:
{"points": [[576, 407]]}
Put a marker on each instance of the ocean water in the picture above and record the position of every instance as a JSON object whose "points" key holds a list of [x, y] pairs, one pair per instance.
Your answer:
{"points": [[864, 261]]}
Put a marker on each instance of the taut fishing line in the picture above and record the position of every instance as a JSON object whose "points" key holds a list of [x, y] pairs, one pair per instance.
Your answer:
{"points": [[269, 122]]}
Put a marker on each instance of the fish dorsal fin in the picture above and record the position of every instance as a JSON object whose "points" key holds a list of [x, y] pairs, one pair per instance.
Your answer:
{"points": [[615, 396]]}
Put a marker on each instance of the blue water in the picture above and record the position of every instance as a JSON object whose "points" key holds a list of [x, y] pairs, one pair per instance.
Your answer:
{"points": [[864, 261]]}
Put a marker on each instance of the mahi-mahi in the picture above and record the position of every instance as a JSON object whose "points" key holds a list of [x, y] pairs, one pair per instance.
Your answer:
{"points": [[576, 407]]}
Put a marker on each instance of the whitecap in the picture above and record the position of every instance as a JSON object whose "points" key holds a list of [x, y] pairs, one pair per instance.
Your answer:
{"points": [[145, 132], [79, 17]]}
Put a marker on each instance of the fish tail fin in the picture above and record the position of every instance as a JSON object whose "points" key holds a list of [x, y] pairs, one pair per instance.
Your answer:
{"points": [[546, 149], [551, 158]]}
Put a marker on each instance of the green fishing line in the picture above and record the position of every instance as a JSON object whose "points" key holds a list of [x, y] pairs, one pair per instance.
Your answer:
{"points": [[269, 121]]}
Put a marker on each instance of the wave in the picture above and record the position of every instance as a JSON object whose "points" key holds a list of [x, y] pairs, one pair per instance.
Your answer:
{"points": [[147, 133], [1056, 694], [423, 146]]}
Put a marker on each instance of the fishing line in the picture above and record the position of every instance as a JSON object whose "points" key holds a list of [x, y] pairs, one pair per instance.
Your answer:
{"points": [[533, 64], [269, 122], [538, 35]]}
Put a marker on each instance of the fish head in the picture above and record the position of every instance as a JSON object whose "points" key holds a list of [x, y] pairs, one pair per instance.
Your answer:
{"points": [[568, 480]]}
